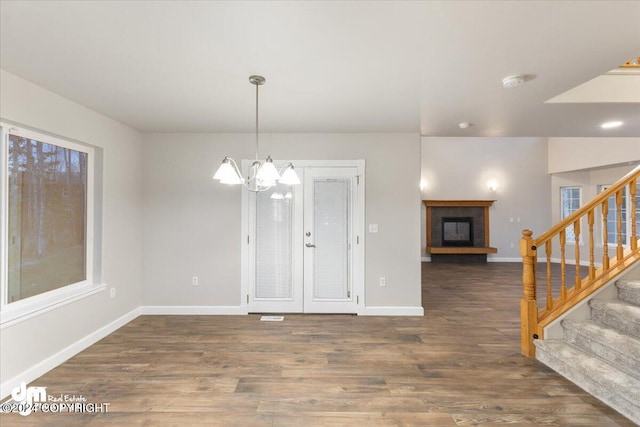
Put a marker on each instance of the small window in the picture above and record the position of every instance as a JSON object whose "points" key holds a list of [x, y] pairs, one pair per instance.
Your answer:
{"points": [[612, 215], [637, 203], [570, 201]]}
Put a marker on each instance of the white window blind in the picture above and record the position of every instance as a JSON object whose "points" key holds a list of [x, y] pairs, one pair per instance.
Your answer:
{"points": [[273, 247], [331, 224]]}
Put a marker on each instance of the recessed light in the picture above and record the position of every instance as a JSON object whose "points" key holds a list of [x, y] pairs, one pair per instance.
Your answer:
{"points": [[612, 124], [465, 125]]}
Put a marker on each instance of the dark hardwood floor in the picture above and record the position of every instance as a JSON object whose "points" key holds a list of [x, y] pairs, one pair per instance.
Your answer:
{"points": [[458, 365]]}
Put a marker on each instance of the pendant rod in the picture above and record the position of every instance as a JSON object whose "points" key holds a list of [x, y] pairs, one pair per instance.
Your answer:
{"points": [[257, 157]]}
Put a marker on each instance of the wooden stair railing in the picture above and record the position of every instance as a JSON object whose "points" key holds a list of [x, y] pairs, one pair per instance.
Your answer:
{"points": [[534, 318]]}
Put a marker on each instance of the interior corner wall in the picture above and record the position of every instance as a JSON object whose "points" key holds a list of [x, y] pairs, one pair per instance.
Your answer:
{"points": [[460, 168], [574, 154], [192, 223], [30, 343]]}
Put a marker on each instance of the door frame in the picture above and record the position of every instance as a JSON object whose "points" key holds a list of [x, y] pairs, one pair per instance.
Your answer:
{"points": [[358, 224]]}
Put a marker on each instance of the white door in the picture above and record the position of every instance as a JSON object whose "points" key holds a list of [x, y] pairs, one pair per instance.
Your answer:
{"points": [[303, 252], [329, 235]]}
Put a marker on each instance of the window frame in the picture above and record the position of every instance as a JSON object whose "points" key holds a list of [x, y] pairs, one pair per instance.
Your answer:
{"points": [[626, 218], [11, 312], [562, 216]]}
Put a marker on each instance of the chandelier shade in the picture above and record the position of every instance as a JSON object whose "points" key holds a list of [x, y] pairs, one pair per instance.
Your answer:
{"points": [[289, 176], [263, 175]]}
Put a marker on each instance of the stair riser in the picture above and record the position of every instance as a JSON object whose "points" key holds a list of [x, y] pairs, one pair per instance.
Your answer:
{"points": [[585, 381], [618, 357], [616, 321], [629, 291], [632, 296]]}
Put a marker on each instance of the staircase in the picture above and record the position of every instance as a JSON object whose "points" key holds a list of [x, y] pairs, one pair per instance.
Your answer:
{"points": [[602, 355]]}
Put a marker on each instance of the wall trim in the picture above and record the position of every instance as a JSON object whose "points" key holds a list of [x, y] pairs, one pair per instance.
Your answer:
{"points": [[489, 259], [63, 355], [504, 259], [47, 301], [391, 311], [193, 310], [571, 262]]}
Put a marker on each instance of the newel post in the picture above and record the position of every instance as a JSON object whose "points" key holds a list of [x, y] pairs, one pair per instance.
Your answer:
{"points": [[528, 305]]}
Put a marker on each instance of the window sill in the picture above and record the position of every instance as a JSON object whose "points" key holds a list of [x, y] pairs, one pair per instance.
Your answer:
{"points": [[22, 310]]}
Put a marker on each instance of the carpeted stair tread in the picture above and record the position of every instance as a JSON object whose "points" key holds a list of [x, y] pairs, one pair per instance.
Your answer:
{"points": [[618, 349], [617, 314], [594, 375], [629, 291]]}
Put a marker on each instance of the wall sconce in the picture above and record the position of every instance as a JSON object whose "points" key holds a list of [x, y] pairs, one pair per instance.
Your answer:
{"points": [[492, 184]]}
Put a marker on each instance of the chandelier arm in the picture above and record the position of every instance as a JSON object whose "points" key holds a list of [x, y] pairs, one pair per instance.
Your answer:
{"points": [[235, 167], [258, 190], [285, 166], [246, 182]]}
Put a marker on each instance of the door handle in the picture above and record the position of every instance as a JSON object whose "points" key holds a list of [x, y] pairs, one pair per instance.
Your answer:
{"points": [[309, 245]]}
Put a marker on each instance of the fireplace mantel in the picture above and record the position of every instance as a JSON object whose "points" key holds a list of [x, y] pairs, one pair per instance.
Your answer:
{"points": [[479, 209]]}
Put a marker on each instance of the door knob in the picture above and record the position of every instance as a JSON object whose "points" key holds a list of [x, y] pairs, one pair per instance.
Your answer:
{"points": [[309, 245]]}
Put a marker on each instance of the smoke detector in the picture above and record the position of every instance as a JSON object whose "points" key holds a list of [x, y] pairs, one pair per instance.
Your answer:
{"points": [[513, 81], [465, 125]]}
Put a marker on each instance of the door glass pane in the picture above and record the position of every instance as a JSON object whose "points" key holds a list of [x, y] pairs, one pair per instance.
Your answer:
{"points": [[46, 218], [331, 230], [273, 246]]}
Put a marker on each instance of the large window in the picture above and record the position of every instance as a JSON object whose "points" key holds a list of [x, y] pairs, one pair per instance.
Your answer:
{"points": [[47, 216], [570, 201]]}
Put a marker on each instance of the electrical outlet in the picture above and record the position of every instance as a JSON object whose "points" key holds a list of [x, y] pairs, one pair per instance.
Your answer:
{"points": [[383, 281], [112, 292], [194, 281], [373, 228]]}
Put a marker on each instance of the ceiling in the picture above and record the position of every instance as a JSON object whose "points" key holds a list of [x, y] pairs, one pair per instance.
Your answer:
{"points": [[350, 66]]}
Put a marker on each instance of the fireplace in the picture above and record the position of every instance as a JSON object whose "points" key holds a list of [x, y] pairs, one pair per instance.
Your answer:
{"points": [[457, 231]]}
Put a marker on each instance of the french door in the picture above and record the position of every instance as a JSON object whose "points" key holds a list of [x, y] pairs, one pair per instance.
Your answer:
{"points": [[303, 245]]}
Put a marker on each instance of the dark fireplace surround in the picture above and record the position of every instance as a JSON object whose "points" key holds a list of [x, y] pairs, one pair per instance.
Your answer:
{"points": [[458, 230]]}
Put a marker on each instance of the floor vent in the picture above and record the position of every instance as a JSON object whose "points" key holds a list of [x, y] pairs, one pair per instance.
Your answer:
{"points": [[272, 318]]}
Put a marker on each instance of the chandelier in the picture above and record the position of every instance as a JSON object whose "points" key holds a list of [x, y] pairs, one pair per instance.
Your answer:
{"points": [[262, 175]]}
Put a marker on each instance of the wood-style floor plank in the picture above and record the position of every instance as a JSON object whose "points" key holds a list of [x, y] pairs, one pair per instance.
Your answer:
{"points": [[458, 365]]}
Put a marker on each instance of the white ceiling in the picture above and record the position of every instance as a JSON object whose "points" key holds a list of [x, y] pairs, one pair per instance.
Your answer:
{"points": [[356, 66]]}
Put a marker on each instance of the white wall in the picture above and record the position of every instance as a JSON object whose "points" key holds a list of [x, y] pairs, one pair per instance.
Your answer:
{"points": [[573, 154], [192, 224], [459, 168], [27, 345]]}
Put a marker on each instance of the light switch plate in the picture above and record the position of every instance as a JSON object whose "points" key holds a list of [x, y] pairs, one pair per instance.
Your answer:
{"points": [[373, 228]]}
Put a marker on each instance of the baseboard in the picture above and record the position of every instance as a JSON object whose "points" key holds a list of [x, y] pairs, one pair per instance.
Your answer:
{"points": [[583, 263], [489, 259], [391, 311], [193, 309], [504, 259], [60, 357]]}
